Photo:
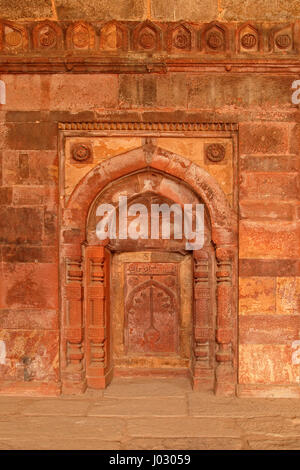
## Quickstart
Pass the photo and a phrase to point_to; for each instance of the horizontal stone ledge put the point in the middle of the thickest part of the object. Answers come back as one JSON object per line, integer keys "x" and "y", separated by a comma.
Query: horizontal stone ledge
{"x": 269, "y": 267}
{"x": 113, "y": 65}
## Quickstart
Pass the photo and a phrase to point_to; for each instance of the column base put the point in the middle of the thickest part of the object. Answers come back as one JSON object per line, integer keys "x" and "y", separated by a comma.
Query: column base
{"x": 100, "y": 383}
{"x": 72, "y": 388}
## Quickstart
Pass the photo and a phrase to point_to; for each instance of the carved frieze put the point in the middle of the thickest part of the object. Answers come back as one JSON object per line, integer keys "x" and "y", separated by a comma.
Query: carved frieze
{"x": 13, "y": 38}
{"x": 80, "y": 36}
{"x": 47, "y": 35}
{"x": 136, "y": 41}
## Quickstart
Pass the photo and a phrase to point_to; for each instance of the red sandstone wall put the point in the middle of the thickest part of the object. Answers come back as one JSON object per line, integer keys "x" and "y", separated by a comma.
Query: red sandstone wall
{"x": 269, "y": 147}
{"x": 269, "y": 211}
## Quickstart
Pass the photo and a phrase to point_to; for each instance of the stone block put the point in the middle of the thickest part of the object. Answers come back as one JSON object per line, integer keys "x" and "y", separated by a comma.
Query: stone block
{"x": 174, "y": 10}
{"x": 24, "y": 9}
{"x": 269, "y": 267}
{"x": 5, "y": 196}
{"x": 269, "y": 163}
{"x": 31, "y": 136}
{"x": 268, "y": 210}
{"x": 288, "y": 295}
{"x": 285, "y": 10}
{"x": 275, "y": 186}
{"x": 29, "y": 285}
{"x": 30, "y": 355}
{"x": 21, "y": 225}
{"x": 267, "y": 363}
{"x": 92, "y": 91}
{"x": 268, "y": 329}
{"x": 256, "y": 295}
{"x": 269, "y": 240}
{"x": 28, "y": 168}
{"x": 101, "y": 9}
{"x": 268, "y": 138}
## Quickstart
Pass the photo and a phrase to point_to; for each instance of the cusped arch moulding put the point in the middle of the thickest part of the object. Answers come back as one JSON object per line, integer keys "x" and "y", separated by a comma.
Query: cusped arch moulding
{"x": 248, "y": 39}
{"x": 47, "y": 35}
{"x": 214, "y": 38}
{"x": 281, "y": 39}
{"x": 147, "y": 37}
{"x": 13, "y": 38}
{"x": 80, "y": 36}
{"x": 180, "y": 38}
{"x": 113, "y": 37}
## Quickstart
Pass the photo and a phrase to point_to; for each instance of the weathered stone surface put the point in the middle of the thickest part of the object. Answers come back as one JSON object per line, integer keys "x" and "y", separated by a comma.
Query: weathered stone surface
{"x": 31, "y": 356}
{"x": 288, "y": 295}
{"x": 283, "y": 10}
{"x": 95, "y": 9}
{"x": 28, "y": 168}
{"x": 30, "y": 285}
{"x": 257, "y": 210}
{"x": 26, "y": 9}
{"x": 269, "y": 163}
{"x": 142, "y": 387}
{"x": 29, "y": 254}
{"x": 267, "y": 363}
{"x": 269, "y": 240}
{"x": 194, "y": 427}
{"x": 274, "y": 444}
{"x": 94, "y": 92}
{"x": 238, "y": 91}
{"x": 276, "y": 186}
{"x": 171, "y": 406}
{"x": 25, "y": 92}
{"x": 199, "y": 10}
{"x": 104, "y": 428}
{"x": 55, "y": 407}
{"x": 32, "y": 319}
{"x": 16, "y": 225}
{"x": 185, "y": 444}
{"x": 263, "y": 138}
{"x": 256, "y": 295}
{"x": 213, "y": 422}
{"x": 5, "y": 196}
{"x": 268, "y": 329}
{"x": 61, "y": 443}
{"x": 269, "y": 267}
{"x": 31, "y": 136}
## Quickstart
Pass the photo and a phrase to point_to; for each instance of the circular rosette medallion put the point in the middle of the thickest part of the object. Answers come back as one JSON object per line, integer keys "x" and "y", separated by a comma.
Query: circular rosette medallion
{"x": 81, "y": 152}
{"x": 248, "y": 41}
{"x": 215, "y": 40}
{"x": 215, "y": 152}
{"x": 283, "y": 41}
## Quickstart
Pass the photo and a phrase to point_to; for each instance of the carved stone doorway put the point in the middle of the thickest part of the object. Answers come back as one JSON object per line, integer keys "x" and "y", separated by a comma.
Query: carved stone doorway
{"x": 150, "y": 306}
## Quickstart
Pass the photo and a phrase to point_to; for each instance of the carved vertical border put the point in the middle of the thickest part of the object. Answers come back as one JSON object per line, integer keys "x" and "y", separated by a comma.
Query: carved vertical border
{"x": 73, "y": 373}
{"x": 202, "y": 364}
{"x": 225, "y": 329}
{"x": 97, "y": 339}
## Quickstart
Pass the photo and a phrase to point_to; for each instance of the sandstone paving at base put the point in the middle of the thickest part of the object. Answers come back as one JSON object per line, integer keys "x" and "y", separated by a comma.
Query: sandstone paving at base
{"x": 140, "y": 407}
{"x": 147, "y": 413}
{"x": 143, "y": 387}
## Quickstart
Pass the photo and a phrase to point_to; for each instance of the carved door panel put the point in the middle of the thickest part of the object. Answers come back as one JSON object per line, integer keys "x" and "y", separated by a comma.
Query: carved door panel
{"x": 151, "y": 308}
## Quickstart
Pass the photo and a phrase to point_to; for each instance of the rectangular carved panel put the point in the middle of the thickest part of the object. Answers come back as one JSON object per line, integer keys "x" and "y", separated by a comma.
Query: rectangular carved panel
{"x": 151, "y": 308}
